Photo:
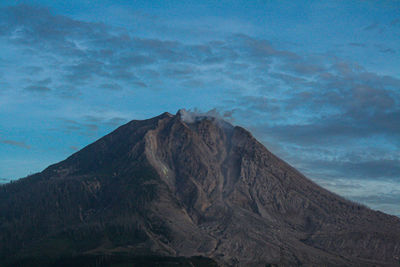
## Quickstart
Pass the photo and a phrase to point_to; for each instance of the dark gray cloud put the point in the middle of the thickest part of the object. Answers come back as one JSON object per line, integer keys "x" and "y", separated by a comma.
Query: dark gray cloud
{"x": 358, "y": 44}
{"x": 84, "y": 70}
{"x": 85, "y": 127}
{"x": 32, "y": 25}
{"x": 32, "y": 70}
{"x": 292, "y": 81}
{"x": 257, "y": 49}
{"x": 37, "y": 88}
{"x": 343, "y": 106}
{"x": 314, "y": 84}
{"x": 139, "y": 84}
{"x": 15, "y": 143}
{"x": 81, "y": 53}
{"x": 387, "y": 50}
{"x": 373, "y": 169}
{"x": 395, "y": 22}
{"x": 182, "y": 70}
{"x": 330, "y": 104}
{"x": 303, "y": 67}
{"x": 371, "y": 27}
{"x": 111, "y": 86}
{"x": 68, "y": 92}
{"x": 89, "y": 125}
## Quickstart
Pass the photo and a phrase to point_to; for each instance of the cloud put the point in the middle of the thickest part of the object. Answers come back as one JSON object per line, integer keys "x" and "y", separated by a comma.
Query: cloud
{"x": 371, "y": 27}
{"x": 111, "y": 86}
{"x": 140, "y": 84}
{"x": 27, "y": 24}
{"x": 37, "y": 88}
{"x": 89, "y": 125}
{"x": 395, "y": 22}
{"x": 328, "y": 97}
{"x": 387, "y": 50}
{"x": 380, "y": 195}
{"x": 86, "y": 127}
{"x": 84, "y": 70}
{"x": 32, "y": 70}
{"x": 303, "y": 67}
{"x": 358, "y": 44}
{"x": 179, "y": 71}
{"x": 116, "y": 121}
{"x": 80, "y": 52}
{"x": 291, "y": 80}
{"x": 15, "y": 143}
{"x": 372, "y": 169}
{"x": 314, "y": 115}
{"x": 132, "y": 60}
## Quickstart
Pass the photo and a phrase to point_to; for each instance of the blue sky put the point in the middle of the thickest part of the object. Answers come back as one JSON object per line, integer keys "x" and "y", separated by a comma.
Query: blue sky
{"x": 318, "y": 82}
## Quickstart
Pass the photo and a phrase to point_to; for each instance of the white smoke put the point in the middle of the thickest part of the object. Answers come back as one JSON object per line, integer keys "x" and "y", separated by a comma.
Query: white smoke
{"x": 188, "y": 116}
{"x": 225, "y": 119}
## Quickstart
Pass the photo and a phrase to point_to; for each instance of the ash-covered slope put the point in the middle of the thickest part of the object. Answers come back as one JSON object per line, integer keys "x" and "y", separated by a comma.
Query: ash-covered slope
{"x": 181, "y": 188}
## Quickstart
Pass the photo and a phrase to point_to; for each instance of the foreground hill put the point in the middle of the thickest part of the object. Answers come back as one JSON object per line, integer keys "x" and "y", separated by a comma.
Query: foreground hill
{"x": 161, "y": 191}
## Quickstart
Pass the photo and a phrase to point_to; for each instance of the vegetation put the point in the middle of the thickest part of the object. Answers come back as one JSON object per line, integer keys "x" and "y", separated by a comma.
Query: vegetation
{"x": 43, "y": 216}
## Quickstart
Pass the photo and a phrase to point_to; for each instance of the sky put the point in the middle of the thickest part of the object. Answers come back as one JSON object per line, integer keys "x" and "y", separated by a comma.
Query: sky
{"x": 317, "y": 82}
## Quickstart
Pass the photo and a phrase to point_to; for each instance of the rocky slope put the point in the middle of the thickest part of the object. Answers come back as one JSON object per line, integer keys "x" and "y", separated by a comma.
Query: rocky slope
{"x": 180, "y": 187}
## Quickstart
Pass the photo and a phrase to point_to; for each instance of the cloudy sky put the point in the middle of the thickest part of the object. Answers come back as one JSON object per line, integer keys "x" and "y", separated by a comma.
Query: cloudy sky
{"x": 318, "y": 82}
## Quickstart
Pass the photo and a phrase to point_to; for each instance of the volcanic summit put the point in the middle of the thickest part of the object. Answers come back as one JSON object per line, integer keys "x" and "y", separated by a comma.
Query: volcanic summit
{"x": 186, "y": 189}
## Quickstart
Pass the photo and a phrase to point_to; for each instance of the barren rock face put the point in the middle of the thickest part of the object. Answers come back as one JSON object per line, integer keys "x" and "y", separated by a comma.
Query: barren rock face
{"x": 170, "y": 186}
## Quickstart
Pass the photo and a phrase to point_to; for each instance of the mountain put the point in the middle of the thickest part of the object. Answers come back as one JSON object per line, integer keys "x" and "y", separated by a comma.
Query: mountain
{"x": 185, "y": 190}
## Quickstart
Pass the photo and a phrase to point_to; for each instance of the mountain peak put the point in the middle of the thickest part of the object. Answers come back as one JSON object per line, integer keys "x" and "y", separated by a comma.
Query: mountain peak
{"x": 165, "y": 114}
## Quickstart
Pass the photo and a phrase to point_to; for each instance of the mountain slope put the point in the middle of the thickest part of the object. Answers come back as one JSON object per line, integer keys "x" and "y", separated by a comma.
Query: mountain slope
{"x": 181, "y": 187}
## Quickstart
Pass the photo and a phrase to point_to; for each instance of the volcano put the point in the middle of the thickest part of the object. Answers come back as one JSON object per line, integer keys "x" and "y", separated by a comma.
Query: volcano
{"x": 185, "y": 190}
